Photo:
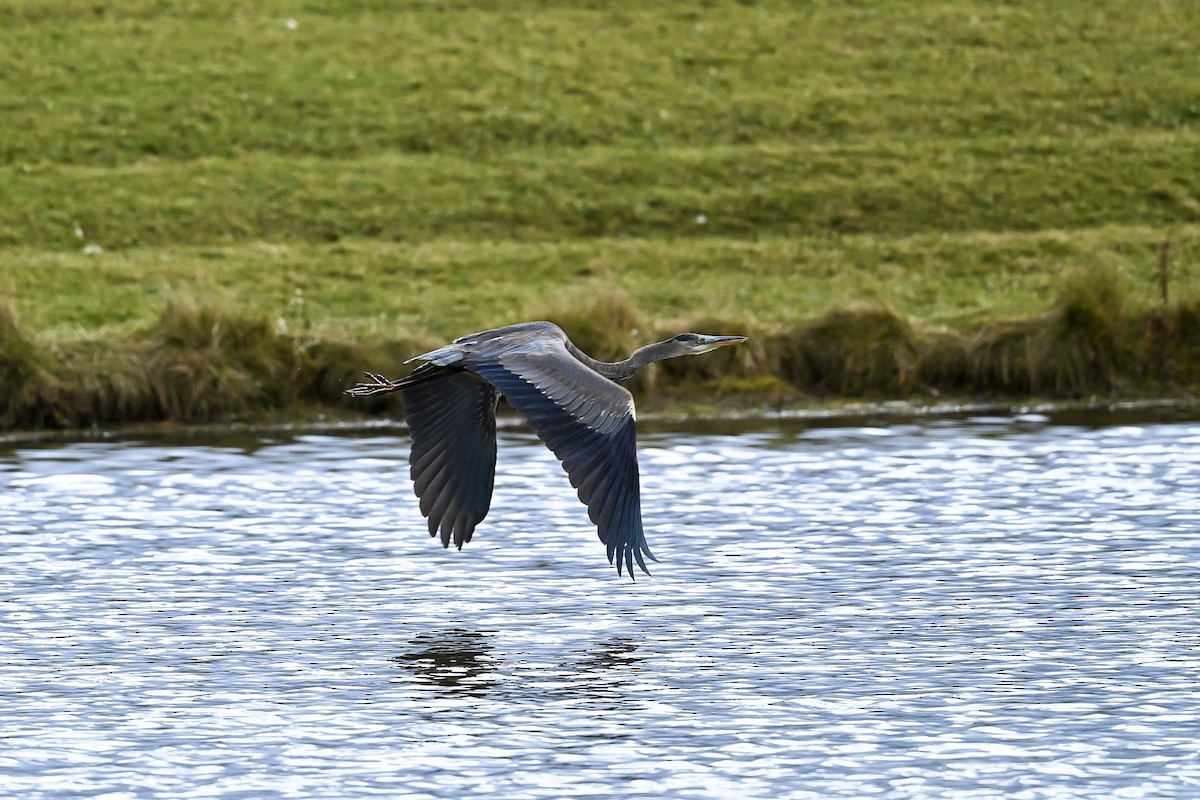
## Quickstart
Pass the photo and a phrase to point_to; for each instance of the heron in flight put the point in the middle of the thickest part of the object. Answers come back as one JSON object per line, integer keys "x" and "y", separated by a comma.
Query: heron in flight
{"x": 574, "y": 403}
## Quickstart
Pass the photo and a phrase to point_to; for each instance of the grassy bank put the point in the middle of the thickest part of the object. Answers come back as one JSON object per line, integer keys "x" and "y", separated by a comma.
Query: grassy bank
{"x": 225, "y": 209}
{"x": 200, "y": 362}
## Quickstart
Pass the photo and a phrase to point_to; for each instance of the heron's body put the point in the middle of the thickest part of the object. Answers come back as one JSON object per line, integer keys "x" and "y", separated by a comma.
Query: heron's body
{"x": 572, "y": 401}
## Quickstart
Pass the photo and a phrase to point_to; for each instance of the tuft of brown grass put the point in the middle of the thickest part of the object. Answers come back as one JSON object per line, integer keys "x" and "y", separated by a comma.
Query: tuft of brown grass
{"x": 1081, "y": 346}
{"x": 998, "y": 357}
{"x": 30, "y": 395}
{"x": 330, "y": 367}
{"x": 17, "y": 355}
{"x": 851, "y": 352}
{"x": 204, "y": 362}
{"x": 101, "y": 381}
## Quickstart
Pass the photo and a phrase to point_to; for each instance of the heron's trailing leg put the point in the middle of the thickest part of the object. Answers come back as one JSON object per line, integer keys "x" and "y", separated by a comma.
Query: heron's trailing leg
{"x": 377, "y": 384}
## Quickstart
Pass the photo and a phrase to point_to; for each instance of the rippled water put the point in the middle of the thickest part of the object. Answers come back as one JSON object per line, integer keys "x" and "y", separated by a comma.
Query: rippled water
{"x": 973, "y": 608}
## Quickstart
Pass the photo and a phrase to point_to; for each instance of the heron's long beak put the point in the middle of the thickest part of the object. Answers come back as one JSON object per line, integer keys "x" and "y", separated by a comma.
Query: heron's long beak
{"x": 707, "y": 343}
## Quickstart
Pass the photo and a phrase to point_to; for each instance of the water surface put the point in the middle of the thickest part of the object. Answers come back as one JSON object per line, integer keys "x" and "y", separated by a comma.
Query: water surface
{"x": 969, "y": 608}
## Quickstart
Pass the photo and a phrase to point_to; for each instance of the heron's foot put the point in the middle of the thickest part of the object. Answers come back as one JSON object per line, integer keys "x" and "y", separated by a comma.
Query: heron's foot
{"x": 375, "y": 384}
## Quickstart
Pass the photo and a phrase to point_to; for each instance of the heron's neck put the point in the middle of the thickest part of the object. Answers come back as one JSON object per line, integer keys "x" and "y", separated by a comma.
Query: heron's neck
{"x": 624, "y": 370}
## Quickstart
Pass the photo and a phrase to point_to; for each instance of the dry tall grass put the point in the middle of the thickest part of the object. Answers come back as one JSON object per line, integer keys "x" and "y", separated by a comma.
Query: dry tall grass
{"x": 204, "y": 361}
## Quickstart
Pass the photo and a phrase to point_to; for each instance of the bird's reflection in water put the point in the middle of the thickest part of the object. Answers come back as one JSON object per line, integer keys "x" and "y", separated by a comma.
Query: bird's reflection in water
{"x": 457, "y": 659}
{"x": 589, "y": 679}
{"x": 614, "y": 656}
{"x": 462, "y": 661}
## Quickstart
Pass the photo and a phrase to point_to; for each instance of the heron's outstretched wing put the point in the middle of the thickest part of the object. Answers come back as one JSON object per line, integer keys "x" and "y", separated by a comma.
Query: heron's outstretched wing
{"x": 588, "y": 421}
{"x": 452, "y": 418}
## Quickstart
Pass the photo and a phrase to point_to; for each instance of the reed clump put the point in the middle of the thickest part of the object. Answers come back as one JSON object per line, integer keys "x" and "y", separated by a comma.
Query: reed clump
{"x": 994, "y": 358}
{"x": 853, "y": 352}
{"x": 328, "y": 367}
{"x": 98, "y": 381}
{"x": 17, "y": 359}
{"x": 1082, "y": 346}
{"x": 1172, "y": 336}
{"x": 204, "y": 362}
{"x": 27, "y": 397}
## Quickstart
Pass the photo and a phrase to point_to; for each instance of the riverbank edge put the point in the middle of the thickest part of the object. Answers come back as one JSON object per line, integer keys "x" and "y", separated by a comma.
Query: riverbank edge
{"x": 203, "y": 361}
{"x": 842, "y": 413}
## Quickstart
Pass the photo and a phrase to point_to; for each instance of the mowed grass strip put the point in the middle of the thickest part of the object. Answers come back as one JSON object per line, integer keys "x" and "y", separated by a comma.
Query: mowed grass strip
{"x": 368, "y": 289}
{"x": 113, "y": 83}
{"x": 894, "y": 188}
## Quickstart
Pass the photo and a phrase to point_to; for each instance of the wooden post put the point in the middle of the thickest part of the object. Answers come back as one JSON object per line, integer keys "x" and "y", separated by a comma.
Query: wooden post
{"x": 1164, "y": 269}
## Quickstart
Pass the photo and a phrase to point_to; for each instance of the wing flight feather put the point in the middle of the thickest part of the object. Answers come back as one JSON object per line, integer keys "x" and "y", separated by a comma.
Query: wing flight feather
{"x": 594, "y": 438}
{"x": 584, "y": 418}
{"x": 452, "y": 418}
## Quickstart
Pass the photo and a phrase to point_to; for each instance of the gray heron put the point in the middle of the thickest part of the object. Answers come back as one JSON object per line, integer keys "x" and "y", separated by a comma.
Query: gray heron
{"x": 574, "y": 403}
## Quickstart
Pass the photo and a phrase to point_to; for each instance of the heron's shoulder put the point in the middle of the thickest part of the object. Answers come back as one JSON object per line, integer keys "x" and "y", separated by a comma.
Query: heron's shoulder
{"x": 527, "y": 337}
{"x": 521, "y": 332}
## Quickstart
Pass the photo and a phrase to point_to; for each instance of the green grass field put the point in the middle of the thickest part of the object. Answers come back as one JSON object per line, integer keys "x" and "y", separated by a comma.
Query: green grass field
{"x": 356, "y": 176}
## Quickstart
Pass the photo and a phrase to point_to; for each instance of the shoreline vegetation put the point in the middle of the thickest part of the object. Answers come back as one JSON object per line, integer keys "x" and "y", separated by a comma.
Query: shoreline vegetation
{"x": 216, "y": 213}
{"x": 205, "y": 362}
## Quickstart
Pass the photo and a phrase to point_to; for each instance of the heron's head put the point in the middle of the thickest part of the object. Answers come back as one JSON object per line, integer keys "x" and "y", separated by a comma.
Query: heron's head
{"x": 691, "y": 344}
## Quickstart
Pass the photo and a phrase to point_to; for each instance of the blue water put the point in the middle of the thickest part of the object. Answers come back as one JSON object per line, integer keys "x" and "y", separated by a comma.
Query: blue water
{"x": 971, "y": 608}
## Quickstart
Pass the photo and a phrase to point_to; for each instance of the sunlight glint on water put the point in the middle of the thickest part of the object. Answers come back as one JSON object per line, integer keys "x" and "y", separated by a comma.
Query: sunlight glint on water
{"x": 971, "y": 608}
